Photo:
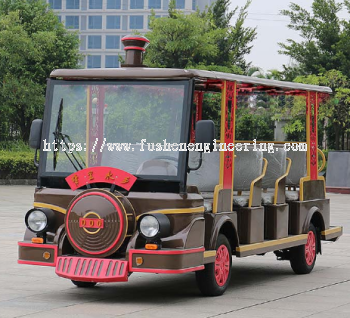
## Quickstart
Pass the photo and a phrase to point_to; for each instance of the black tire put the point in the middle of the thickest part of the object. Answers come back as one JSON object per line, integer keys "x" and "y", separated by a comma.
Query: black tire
{"x": 298, "y": 255}
{"x": 206, "y": 279}
{"x": 84, "y": 284}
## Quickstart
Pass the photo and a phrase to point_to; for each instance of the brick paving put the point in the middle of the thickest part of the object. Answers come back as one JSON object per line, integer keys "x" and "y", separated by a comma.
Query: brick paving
{"x": 260, "y": 287}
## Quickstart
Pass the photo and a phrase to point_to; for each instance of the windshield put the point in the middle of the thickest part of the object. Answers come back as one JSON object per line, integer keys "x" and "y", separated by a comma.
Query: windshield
{"x": 115, "y": 124}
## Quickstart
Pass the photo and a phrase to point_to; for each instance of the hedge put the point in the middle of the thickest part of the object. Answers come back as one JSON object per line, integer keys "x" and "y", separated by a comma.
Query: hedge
{"x": 17, "y": 165}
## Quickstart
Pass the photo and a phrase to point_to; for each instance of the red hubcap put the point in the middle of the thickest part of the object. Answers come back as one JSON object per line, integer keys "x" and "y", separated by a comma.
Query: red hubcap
{"x": 310, "y": 248}
{"x": 222, "y": 265}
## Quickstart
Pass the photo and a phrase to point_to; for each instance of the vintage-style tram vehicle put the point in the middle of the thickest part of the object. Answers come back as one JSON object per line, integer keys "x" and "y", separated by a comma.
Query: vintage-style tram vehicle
{"x": 107, "y": 204}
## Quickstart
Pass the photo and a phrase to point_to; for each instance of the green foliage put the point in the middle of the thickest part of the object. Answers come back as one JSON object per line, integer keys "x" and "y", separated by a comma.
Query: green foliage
{"x": 212, "y": 110}
{"x": 32, "y": 44}
{"x": 337, "y": 107}
{"x": 17, "y": 165}
{"x": 128, "y": 122}
{"x": 180, "y": 40}
{"x": 254, "y": 124}
{"x": 17, "y": 145}
{"x": 218, "y": 68}
{"x": 323, "y": 58}
{"x": 325, "y": 37}
{"x": 200, "y": 39}
{"x": 237, "y": 40}
{"x": 258, "y": 72}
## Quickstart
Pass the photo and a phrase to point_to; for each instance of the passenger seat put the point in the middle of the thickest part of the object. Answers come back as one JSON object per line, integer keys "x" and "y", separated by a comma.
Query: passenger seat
{"x": 275, "y": 178}
{"x": 298, "y": 170}
{"x": 249, "y": 169}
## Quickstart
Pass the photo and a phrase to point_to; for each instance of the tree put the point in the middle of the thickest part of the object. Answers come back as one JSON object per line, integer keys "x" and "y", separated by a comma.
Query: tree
{"x": 32, "y": 44}
{"x": 323, "y": 57}
{"x": 334, "y": 112}
{"x": 238, "y": 39}
{"x": 273, "y": 74}
{"x": 203, "y": 39}
{"x": 179, "y": 40}
{"x": 325, "y": 37}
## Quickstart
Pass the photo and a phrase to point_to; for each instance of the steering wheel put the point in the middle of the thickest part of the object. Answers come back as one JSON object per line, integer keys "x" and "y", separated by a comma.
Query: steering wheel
{"x": 160, "y": 160}
{"x": 166, "y": 158}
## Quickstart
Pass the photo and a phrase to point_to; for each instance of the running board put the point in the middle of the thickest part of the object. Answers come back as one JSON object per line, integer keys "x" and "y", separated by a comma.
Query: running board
{"x": 270, "y": 245}
{"x": 332, "y": 234}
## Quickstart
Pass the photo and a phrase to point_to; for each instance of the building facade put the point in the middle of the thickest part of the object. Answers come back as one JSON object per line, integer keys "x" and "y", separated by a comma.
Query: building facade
{"x": 102, "y": 23}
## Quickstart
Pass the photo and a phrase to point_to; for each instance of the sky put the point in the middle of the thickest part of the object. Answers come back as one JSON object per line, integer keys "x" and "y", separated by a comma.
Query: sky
{"x": 271, "y": 28}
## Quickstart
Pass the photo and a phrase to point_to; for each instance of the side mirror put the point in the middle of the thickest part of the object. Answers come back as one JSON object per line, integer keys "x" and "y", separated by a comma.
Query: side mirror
{"x": 35, "y": 134}
{"x": 205, "y": 133}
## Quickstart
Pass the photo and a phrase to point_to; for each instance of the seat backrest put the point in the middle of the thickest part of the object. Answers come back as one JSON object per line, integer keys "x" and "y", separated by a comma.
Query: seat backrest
{"x": 207, "y": 176}
{"x": 298, "y": 169}
{"x": 248, "y": 167}
{"x": 276, "y": 167}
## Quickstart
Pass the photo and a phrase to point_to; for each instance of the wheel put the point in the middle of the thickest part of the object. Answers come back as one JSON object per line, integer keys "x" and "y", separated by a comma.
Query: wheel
{"x": 84, "y": 284}
{"x": 303, "y": 258}
{"x": 215, "y": 278}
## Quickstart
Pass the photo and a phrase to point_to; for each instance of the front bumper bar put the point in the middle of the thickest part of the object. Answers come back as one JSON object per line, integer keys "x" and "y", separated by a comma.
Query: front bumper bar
{"x": 92, "y": 269}
{"x": 86, "y": 269}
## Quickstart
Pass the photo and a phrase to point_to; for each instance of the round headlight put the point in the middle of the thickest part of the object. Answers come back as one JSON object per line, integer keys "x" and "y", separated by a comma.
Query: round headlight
{"x": 37, "y": 221}
{"x": 149, "y": 226}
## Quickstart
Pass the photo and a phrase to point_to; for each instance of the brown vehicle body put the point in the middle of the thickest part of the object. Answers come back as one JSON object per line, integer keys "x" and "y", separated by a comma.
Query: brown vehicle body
{"x": 111, "y": 247}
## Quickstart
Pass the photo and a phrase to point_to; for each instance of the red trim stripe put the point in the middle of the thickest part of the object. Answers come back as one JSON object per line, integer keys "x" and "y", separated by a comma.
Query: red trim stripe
{"x": 36, "y": 263}
{"x": 168, "y": 252}
{"x": 134, "y": 48}
{"x": 135, "y": 38}
{"x": 168, "y": 271}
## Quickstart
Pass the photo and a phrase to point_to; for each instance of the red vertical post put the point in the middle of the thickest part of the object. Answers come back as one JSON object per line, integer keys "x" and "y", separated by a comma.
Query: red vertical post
{"x": 198, "y": 101}
{"x": 230, "y": 110}
{"x": 312, "y": 103}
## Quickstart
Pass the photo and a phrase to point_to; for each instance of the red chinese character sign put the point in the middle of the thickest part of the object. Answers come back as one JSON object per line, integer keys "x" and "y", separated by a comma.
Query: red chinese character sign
{"x": 109, "y": 175}
{"x": 198, "y": 101}
{"x": 230, "y": 109}
{"x": 312, "y": 104}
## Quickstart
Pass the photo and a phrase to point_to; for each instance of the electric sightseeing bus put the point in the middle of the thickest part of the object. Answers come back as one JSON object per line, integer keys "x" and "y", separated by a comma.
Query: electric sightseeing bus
{"x": 109, "y": 203}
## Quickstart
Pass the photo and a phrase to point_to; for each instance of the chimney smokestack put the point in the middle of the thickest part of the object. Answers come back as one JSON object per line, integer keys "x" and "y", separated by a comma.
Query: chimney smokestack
{"x": 134, "y": 46}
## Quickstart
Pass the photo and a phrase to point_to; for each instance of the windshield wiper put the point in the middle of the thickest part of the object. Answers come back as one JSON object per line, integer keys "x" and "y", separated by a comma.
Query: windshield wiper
{"x": 59, "y": 137}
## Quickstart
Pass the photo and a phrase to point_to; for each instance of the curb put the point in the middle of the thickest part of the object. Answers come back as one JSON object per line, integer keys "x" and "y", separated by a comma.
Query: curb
{"x": 18, "y": 181}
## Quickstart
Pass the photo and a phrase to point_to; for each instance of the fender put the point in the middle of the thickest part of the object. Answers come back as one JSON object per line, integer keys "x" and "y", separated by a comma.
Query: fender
{"x": 221, "y": 219}
{"x": 319, "y": 222}
{"x": 309, "y": 217}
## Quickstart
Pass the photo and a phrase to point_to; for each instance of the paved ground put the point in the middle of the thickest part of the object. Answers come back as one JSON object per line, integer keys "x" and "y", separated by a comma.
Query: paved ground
{"x": 260, "y": 286}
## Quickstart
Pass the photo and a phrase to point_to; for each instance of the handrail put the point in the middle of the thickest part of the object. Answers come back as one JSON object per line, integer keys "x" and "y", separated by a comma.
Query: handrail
{"x": 280, "y": 178}
{"x": 255, "y": 181}
{"x": 323, "y": 159}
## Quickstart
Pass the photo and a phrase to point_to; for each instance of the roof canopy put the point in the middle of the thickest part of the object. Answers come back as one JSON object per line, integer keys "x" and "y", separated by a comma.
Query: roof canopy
{"x": 246, "y": 83}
